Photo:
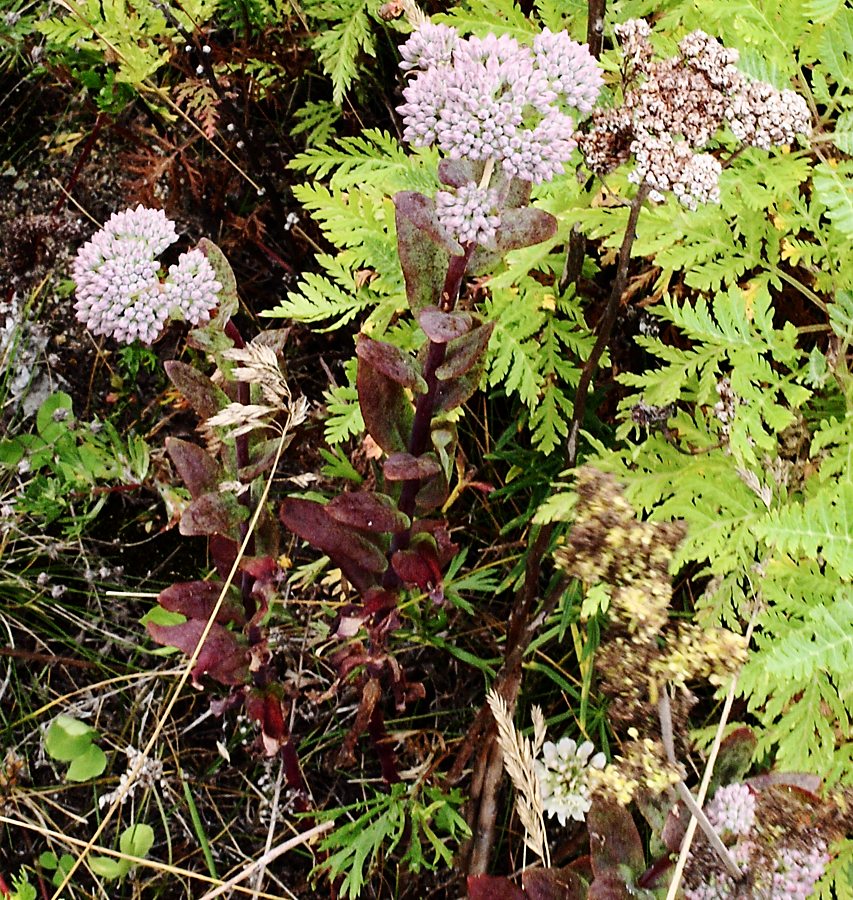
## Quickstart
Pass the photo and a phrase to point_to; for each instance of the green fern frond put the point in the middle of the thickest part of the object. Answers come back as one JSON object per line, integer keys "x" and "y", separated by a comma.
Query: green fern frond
{"x": 372, "y": 158}
{"x": 559, "y": 15}
{"x": 832, "y": 444}
{"x": 319, "y": 299}
{"x": 316, "y": 121}
{"x": 497, "y": 16}
{"x": 823, "y": 643}
{"x": 513, "y": 350}
{"x": 834, "y": 187}
{"x": 822, "y": 527}
{"x": 343, "y": 414}
{"x": 344, "y": 36}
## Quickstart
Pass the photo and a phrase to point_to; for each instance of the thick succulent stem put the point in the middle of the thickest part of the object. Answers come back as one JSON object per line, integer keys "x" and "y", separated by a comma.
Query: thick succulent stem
{"x": 427, "y": 402}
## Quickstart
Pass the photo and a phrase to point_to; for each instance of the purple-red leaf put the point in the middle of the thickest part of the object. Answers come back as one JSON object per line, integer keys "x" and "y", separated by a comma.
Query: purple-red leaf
{"x": 432, "y": 493}
{"x": 672, "y": 833}
{"x": 525, "y": 227}
{"x": 199, "y": 471}
{"x": 441, "y": 327}
{"x": 609, "y": 887}
{"x": 267, "y": 534}
{"x": 420, "y": 566}
{"x": 735, "y": 756}
{"x": 456, "y": 391}
{"x": 212, "y": 513}
{"x": 465, "y": 352}
{"x": 801, "y": 781}
{"x": 197, "y": 389}
{"x": 522, "y": 228}
{"x": 424, "y": 249}
{"x": 553, "y": 884}
{"x": 392, "y": 362}
{"x": 367, "y": 510}
{"x": 223, "y": 552}
{"x": 196, "y": 600}
{"x": 263, "y": 456}
{"x": 438, "y": 531}
{"x": 459, "y": 172}
{"x": 493, "y": 887}
{"x": 614, "y": 842}
{"x": 357, "y": 557}
{"x": 405, "y": 467}
{"x": 518, "y": 193}
{"x": 224, "y": 655}
{"x": 266, "y": 708}
{"x": 385, "y": 408}
{"x": 419, "y": 210}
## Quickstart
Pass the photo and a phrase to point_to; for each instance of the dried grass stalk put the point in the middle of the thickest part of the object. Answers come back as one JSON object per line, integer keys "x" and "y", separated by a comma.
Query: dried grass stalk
{"x": 518, "y": 755}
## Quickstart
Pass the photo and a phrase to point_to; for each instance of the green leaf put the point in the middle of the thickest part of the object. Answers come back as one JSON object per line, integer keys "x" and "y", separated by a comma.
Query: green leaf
{"x": 87, "y": 765}
{"x": 68, "y": 738}
{"x": 108, "y": 868}
{"x": 137, "y": 840}
{"x": 48, "y": 860}
{"x": 54, "y": 416}
{"x": 338, "y": 47}
{"x": 834, "y": 187}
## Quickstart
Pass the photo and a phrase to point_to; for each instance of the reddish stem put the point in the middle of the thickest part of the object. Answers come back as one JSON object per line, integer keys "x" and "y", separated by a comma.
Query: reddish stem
{"x": 425, "y": 408}
{"x": 384, "y": 750}
{"x": 84, "y": 155}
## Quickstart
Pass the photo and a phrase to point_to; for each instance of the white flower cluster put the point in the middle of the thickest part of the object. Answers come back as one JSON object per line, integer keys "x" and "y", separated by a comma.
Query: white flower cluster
{"x": 797, "y": 871}
{"x": 788, "y": 872}
{"x": 563, "y": 774}
{"x": 674, "y": 108}
{"x": 668, "y": 165}
{"x": 470, "y": 214}
{"x": 119, "y": 291}
{"x": 764, "y": 117}
{"x": 190, "y": 288}
{"x": 150, "y": 775}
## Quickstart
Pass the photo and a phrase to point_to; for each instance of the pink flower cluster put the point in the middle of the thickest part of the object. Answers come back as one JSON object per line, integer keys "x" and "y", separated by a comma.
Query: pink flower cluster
{"x": 775, "y": 866}
{"x": 119, "y": 288}
{"x": 493, "y": 98}
{"x": 495, "y": 101}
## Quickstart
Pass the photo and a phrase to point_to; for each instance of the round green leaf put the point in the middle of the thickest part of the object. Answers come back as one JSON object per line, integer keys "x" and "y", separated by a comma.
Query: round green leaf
{"x": 87, "y": 765}
{"x": 106, "y": 867}
{"x": 68, "y": 738}
{"x": 137, "y": 840}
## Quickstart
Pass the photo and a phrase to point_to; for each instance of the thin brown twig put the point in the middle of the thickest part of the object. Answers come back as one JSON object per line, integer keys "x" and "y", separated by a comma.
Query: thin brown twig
{"x": 488, "y": 769}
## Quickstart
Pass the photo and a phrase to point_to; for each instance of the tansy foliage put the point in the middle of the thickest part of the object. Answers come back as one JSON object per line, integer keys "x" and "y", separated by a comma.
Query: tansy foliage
{"x": 537, "y": 337}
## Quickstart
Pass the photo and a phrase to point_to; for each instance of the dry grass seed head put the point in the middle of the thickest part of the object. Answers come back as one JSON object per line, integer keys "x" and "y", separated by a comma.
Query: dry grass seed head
{"x": 518, "y": 755}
